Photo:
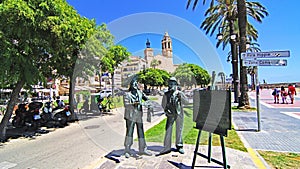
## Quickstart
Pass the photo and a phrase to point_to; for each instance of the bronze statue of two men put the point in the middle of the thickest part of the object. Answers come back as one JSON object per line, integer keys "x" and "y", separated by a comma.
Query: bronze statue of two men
{"x": 172, "y": 104}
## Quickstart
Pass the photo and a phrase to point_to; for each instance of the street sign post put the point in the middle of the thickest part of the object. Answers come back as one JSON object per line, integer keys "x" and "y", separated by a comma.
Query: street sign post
{"x": 259, "y": 59}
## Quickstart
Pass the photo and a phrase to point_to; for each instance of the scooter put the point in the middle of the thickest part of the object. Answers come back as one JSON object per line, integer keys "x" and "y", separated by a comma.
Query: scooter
{"x": 46, "y": 116}
{"x": 61, "y": 116}
{"x": 28, "y": 115}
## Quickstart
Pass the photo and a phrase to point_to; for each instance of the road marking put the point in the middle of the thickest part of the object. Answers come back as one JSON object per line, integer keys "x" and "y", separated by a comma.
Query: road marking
{"x": 256, "y": 159}
{"x": 292, "y": 114}
{"x": 7, "y": 165}
{"x": 254, "y": 156}
{"x": 266, "y": 104}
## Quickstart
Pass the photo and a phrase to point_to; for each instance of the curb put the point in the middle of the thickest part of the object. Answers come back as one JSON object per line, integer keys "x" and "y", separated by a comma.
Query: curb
{"x": 256, "y": 158}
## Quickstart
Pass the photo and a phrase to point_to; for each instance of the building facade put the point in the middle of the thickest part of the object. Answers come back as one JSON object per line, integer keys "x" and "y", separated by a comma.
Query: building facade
{"x": 164, "y": 60}
{"x": 135, "y": 64}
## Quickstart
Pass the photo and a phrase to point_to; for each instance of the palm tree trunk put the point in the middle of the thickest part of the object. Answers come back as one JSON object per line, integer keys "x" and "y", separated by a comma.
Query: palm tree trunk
{"x": 252, "y": 81}
{"x": 242, "y": 22}
{"x": 11, "y": 104}
{"x": 234, "y": 62}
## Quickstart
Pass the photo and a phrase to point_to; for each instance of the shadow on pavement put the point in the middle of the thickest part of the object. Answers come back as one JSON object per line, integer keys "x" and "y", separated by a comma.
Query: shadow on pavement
{"x": 115, "y": 155}
{"x": 179, "y": 165}
{"x": 253, "y": 130}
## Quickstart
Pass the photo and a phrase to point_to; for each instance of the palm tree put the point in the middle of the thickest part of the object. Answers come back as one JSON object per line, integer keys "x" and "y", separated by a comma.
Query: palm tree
{"x": 222, "y": 76}
{"x": 224, "y": 15}
{"x": 155, "y": 63}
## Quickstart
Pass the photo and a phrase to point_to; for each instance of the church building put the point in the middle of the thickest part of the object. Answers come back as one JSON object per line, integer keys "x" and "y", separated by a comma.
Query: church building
{"x": 164, "y": 60}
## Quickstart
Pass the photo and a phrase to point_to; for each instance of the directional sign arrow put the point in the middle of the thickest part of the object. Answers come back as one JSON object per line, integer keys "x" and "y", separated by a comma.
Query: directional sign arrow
{"x": 271, "y": 54}
{"x": 250, "y": 62}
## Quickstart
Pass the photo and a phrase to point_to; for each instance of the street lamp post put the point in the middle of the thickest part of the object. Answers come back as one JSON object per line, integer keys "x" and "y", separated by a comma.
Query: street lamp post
{"x": 234, "y": 58}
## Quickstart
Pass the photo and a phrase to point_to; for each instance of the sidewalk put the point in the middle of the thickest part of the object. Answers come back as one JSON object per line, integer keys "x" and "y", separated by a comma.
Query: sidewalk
{"x": 280, "y": 125}
{"x": 115, "y": 159}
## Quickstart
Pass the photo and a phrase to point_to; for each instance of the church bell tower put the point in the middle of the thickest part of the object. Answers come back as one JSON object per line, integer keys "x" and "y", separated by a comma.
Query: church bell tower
{"x": 166, "y": 46}
{"x": 148, "y": 52}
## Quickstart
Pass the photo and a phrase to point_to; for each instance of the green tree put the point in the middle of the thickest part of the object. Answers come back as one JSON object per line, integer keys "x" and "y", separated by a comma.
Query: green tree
{"x": 165, "y": 76}
{"x": 201, "y": 75}
{"x": 93, "y": 50}
{"x": 224, "y": 15}
{"x": 33, "y": 33}
{"x": 191, "y": 74}
{"x": 153, "y": 77}
{"x": 74, "y": 31}
{"x": 184, "y": 75}
{"x": 112, "y": 59}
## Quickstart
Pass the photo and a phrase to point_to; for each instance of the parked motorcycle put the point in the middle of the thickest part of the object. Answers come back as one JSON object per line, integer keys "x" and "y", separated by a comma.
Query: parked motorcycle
{"x": 61, "y": 116}
{"x": 28, "y": 115}
{"x": 56, "y": 117}
{"x": 46, "y": 116}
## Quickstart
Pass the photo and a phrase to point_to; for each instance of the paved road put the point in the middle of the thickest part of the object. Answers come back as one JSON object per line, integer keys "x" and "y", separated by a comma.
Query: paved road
{"x": 85, "y": 144}
{"x": 78, "y": 145}
{"x": 64, "y": 148}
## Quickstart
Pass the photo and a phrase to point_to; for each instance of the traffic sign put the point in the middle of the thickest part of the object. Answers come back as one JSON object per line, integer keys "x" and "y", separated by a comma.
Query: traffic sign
{"x": 271, "y": 54}
{"x": 265, "y": 62}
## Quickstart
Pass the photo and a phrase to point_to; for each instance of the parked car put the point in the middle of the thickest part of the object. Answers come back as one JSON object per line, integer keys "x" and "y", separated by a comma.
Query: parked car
{"x": 105, "y": 93}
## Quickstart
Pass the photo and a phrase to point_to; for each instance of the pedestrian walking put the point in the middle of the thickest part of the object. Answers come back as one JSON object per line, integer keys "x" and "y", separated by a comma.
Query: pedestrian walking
{"x": 283, "y": 94}
{"x": 172, "y": 104}
{"x": 275, "y": 94}
{"x": 292, "y": 92}
{"x": 133, "y": 116}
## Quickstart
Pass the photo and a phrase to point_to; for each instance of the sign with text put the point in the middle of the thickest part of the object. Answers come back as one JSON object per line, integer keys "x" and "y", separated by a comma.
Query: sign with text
{"x": 271, "y": 54}
{"x": 265, "y": 62}
{"x": 212, "y": 111}
{"x": 250, "y": 62}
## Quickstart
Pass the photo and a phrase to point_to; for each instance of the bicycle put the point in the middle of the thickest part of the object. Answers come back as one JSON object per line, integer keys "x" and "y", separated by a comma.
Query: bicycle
{"x": 110, "y": 103}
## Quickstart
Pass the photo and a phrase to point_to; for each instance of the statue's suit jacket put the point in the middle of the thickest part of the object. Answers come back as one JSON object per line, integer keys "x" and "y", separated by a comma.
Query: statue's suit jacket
{"x": 134, "y": 111}
{"x": 176, "y": 106}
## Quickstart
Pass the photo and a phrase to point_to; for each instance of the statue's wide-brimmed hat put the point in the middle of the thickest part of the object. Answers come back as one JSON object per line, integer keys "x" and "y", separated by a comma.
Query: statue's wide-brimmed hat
{"x": 173, "y": 79}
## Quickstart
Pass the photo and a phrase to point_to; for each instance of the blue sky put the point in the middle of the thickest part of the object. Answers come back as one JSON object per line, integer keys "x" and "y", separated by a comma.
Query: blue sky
{"x": 133, "y": 21}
